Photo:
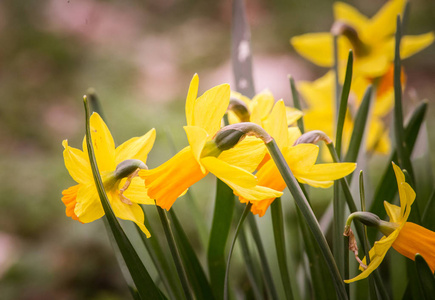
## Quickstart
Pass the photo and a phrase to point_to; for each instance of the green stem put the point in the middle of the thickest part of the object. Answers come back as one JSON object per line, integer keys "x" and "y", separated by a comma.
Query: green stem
{"x": 263, "y": 259}
{"x": 238, "y": 228}
{"x": 254, "y": 278}
{"x": 279, "y": 235}
{"x": 296, "y": 103}
{"x": 308, "y": 214}
{"x": 175, "y": 253}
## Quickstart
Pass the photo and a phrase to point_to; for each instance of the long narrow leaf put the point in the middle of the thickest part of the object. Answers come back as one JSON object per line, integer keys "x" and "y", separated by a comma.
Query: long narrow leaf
{"x": 296, "y": 103}
{"x": 220, "y": 228}
{"x": 359, "y": 127}
{"x": 252, "y": 273}
{"x": 403, "y": 154}
{"x": 143, "y": 281}
{"x": 194, "y": 270}
{"x": 238, "y": 228}
{"x": 279, "y": 235}
{"x": 343, "y": 103}
{"x": 175, "y": 253}
{"x": 263, "y": 259}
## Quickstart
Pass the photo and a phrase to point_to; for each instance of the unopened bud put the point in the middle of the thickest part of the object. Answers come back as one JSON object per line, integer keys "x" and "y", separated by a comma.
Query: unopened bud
{"x": 312, "y": 137}
{"x": 231, "y": 135}
{"x": 240, "y": 109}
{"x": 367, "y": 218}
{"x": 127, "y": 167}
{"x": 341, "y": 28}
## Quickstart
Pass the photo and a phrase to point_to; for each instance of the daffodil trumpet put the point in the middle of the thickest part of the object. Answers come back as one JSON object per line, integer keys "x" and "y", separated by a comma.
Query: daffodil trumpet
{"x": 405, "y": 237}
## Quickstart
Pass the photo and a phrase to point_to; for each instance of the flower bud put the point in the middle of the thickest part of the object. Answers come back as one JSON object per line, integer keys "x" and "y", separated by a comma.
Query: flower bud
{"x": 240, "y": 109}
{"x": 342, "y": 28}
{"x": 127, "y": 167}
{"x": 231, "y": 135}
{"x": 312, "y": 137}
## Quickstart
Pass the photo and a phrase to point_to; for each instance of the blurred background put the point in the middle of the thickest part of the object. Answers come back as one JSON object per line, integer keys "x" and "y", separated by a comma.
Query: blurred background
{"x": 139, "y": 56}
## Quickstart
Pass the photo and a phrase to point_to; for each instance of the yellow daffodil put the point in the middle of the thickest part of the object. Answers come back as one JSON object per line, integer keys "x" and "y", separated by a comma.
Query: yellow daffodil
{"x": 321, "y": 111}
{"x": 259, "y": 108}
{"x": 118, "y": 168}
{"x": 300, "y": 158}
{"x": 372, "y": 40}
{"x": 204, "y": 114}
{"x": 405, "y": 237}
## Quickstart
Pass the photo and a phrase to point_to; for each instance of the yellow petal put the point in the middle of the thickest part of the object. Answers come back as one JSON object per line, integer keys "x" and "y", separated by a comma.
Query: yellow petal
{"x": 377, "y": 254}
{"x": 293, "y": 133}
{"x": 191, "y": 98}
{"x": 276, "y": 124}
{"x": 415, "y": 43}
{"x": 130, "y": 212}
{"x": 168, "y": 181}
{"x": 137, "y": 191}
{"x": 374, "y": 65}
{"x": 383, "y": 24}
{"x": 292, "y": 114}
{"x": 77, "y": 163}
{"x": 333, "y": 171}
{"x": 209, "y": 109}
{"x": 351, "y": 16}
{"x": 136, "y": 148}
{"x": 243, "y": 183}
{"x": 103, "y": 144}
{"x": 300, "y": 157}
{"x": 197, "y": 138}
{"x": 261, "y": 105}
{"x": 88, "y": 204}
{"x": 393, "y": 211}
{"x": 319, "y": 93}
{"x": 247, "y": 154}
{"x": 316, "y": 47}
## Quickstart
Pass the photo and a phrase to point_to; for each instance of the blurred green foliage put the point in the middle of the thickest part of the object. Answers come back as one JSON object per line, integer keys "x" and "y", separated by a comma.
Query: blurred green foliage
{"x": 139, "y": 56}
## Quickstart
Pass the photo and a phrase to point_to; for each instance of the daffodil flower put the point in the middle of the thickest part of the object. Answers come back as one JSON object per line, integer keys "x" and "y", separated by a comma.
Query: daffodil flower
{"x": 372, "y": 40}
{"x": 234, "y": 167}
{"x": 321, "y": 111}
{"x": 407, "y": 238}
{"x": 118, "y": 168}
{"x": 300, "y": 158}
{"x": 259, "y": 108}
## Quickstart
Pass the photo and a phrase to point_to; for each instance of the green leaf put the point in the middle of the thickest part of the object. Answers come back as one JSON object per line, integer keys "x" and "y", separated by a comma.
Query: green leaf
{"x": 359, "y": 127}
{"x": 175, "y": 253}
{"x": 252, "y": 269}
{"x": 141, "y": 278}
{"x": 427, "y": 219}
{"x": 238, "y": 228}
{"x": 297, "y": 103}
{"x": 160, "y": 261}
{"x": 220, "y": 228}
{"x": 343, "y": 103}
{"x": 197, "y": 278}
{"x": 270, "y": 286}
{"x": 279, "y": 235}
{"x": 403, "y": 154}
{"x": 425, "y": 277}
